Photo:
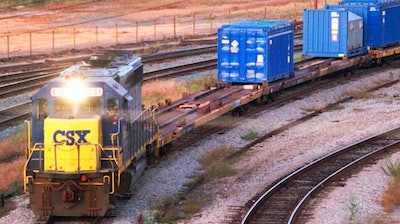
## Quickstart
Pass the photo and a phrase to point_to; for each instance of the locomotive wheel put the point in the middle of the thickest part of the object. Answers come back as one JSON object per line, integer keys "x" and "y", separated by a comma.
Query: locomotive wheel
{"x": 151, "y": 159}
{"x": 124, "y": 187}
{"x": 150, "y": 155}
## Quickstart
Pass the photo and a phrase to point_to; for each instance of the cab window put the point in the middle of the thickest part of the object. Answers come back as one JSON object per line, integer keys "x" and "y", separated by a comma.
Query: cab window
{"x": 41, "y": 108}
{"x": 112, "y": 110}
{"x": 66, "y": 108}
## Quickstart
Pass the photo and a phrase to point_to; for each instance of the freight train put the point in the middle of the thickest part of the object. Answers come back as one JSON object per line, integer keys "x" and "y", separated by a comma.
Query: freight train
{"x": 89, "y": 136}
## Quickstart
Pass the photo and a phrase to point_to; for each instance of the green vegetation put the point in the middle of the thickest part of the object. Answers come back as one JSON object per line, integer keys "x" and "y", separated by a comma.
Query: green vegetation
{"x": 12, "y": 160}
{"x": 220, "y": 170}
{"x": 155, "y": 92}
{"x": 215, "y": 166}
{"x": 391, "y": 197}
{"x": 392, "y": 169}
{"x": 250, "y": 136}
{"x": 334, "y": 107}
{"x": 359, "y": 94}
{"x": 353, "y": 207}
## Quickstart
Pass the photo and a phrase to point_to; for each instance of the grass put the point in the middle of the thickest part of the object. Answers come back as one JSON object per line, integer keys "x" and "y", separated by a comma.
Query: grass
{"x": 12, "y": 148}
{"x": 215, "y": 166}
{"x": 155, "y": 92}
{"x": 353, "y": 207}
{"x": 250, "y": 136}
{"x": 12, "y": 160}
{"x": 359, "y": 94}
{"x": 391, "y": 197}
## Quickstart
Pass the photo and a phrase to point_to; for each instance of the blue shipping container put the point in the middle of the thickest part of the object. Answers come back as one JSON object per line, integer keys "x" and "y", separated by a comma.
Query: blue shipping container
{"x": 255, "y": 51}
{"x": 381, "y": 22}
{"x": 370, "y": 1}
{"x": 332, "y": 33}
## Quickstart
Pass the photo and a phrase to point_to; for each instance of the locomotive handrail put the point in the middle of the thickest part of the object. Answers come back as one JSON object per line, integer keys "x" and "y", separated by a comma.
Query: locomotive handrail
{"x": 28, "y": 148}
{"x": 113, "y": 158}
{"x": 114, "y": 136}
{"x": 109, "y": 181}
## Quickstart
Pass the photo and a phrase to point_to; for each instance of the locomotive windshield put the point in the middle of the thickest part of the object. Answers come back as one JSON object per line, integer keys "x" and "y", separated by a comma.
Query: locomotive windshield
{"x": 68, "y": 109}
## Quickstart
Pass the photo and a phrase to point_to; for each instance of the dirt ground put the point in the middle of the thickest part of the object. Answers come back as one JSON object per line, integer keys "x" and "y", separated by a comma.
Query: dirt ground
{"x": 81, "y": 24}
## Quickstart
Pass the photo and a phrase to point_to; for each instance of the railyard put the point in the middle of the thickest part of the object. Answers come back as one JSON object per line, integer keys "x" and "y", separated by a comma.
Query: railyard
{"x": 209, "y": 105}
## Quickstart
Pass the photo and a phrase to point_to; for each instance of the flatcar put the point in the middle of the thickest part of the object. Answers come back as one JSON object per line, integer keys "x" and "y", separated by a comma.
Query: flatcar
{"x": 87, "y": 135}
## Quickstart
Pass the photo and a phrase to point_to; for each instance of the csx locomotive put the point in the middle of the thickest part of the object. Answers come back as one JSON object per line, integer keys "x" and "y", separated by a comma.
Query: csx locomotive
{"x": 88, "y": 137}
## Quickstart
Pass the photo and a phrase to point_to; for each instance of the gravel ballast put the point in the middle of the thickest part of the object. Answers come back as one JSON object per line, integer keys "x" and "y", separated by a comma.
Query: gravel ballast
{"x": 274, "y": 158}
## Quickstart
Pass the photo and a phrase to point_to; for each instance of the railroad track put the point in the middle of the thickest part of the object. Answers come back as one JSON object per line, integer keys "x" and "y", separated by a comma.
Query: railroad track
{"x": 185, "y": 69}
{"x": 245, "y": 214}
{"x": 223, "y": 123}
{"x": 62, "y": 220}
{"x": 14, "y": 113}
{"x": 283, "y": 202}
{"x": 37, "y": 78}
{"x": 13, "y": 82}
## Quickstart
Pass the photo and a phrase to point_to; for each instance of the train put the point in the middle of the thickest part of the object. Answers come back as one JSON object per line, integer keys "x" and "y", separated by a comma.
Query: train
{"x": 89, "y": 136}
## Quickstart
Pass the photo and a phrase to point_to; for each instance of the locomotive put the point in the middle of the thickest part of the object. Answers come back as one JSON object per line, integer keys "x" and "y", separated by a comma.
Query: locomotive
{"x": 88, "y": 137}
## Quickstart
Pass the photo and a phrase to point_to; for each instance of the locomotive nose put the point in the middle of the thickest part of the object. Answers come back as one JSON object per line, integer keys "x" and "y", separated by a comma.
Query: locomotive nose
{"x": 72, "y": 145}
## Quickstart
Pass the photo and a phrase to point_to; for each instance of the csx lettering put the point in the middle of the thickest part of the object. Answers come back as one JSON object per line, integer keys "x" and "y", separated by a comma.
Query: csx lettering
{"x": 68, "y": 136}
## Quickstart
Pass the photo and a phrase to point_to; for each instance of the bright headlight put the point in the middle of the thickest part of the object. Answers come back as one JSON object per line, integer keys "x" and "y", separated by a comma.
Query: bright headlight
{"x": 76, "y": 90}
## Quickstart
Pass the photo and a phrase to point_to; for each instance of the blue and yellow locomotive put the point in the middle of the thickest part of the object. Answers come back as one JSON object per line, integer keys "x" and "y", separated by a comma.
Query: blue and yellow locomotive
{"x": 88, "y": 137}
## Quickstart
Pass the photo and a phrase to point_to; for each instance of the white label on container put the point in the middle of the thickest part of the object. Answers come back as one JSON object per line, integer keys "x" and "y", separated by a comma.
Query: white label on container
{"x": 225, "y": 41}
{"x": 334, "y": 14}
{"x": 235, "y": 43}
{"x": 334, "y": 25}
{"x": 260, "y": 59}
{"x": 372, "y": 9}
{"x": 234, "y": 48}
{"x": 334, "y": 37}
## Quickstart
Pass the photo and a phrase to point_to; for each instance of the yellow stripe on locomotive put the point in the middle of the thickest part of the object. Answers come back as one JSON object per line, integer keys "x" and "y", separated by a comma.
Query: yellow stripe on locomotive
{"x": 72, "y": 145}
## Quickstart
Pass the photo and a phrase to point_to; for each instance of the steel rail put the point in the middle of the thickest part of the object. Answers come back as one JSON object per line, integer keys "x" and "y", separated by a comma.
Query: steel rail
{"x": 180, "y": 69}
{"x": 179, "y": 53}
{"x": 356, "y": 153}
{"x": 298, "y": 209}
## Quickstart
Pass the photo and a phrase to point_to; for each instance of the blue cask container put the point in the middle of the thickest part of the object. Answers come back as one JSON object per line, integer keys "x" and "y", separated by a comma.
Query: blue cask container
{"x": 381, "y": 20}
{"x": 332, "y": 33}
{"x": 255, "y": 52}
